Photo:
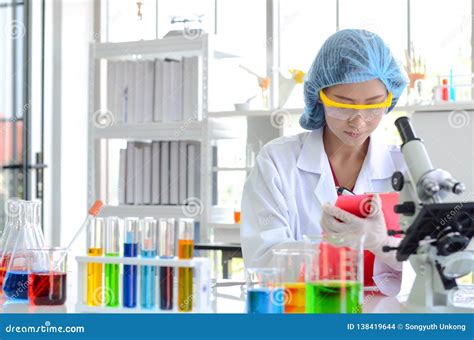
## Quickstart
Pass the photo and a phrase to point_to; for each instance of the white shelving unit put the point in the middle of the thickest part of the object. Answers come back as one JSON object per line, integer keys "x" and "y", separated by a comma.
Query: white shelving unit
{"x": 205, "y": 131}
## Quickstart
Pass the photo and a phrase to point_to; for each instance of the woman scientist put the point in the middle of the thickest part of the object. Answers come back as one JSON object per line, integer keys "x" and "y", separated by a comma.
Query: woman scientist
{"x": 291, "y": 191}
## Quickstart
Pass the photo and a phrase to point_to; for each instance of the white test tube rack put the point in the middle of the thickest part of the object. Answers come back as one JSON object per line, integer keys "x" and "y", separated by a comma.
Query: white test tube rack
{"x": 201, "y": 283}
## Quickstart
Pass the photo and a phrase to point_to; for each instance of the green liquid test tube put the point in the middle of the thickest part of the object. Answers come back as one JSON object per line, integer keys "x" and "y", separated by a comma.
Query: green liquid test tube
{"x": 112, "y": 271}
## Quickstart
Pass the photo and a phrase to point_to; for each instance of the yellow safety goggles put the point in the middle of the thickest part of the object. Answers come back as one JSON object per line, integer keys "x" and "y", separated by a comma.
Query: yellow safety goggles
{"x": 343, "y": 111}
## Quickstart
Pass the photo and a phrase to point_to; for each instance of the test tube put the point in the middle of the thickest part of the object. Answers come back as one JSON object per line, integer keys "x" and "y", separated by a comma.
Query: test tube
{"x": 130, "y": 249}
{"x": 185, "y": 274}
{"x": 112, "y": 271}
{"x": 95, "y": 247}
{"x": 166, "y": 251}
{"x": 148, "y": 273}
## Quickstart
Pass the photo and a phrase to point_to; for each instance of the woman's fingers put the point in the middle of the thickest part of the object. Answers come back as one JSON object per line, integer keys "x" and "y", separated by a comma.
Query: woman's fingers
{"x": 330, "y": 224}
{"x": 338, "y": 213}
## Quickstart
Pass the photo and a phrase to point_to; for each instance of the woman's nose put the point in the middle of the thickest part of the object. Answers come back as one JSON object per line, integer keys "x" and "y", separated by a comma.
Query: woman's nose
{"x": 357, "y": 122}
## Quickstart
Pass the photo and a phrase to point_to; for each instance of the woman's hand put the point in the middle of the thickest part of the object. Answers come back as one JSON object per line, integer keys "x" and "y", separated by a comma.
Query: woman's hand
{"x": 348, "y": 229}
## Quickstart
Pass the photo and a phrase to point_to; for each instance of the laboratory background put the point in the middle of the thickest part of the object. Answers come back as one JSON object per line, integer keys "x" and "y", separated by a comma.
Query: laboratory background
{"x": 128, "y": 129}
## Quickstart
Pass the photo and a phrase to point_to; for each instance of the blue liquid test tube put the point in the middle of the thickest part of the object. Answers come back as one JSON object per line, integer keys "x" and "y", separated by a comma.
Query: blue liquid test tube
{"x": 167, "y": 232}
{"x": 148, "y": 273}
{"x": 130, "y": 249}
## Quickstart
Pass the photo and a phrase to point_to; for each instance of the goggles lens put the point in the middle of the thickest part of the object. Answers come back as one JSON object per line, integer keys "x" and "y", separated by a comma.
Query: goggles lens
{"x": 348, "y": 114}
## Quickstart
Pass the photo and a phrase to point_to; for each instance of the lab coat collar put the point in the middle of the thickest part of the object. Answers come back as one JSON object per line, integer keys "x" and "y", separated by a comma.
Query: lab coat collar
{"x": 312, "y": 154}
{"x": 378, "y": 161}
{"x": 377, "y": 164}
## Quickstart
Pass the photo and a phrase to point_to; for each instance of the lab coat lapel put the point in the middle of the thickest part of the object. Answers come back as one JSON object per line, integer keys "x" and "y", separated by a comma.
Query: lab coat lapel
{"x": 325, "y": 190}
{"x": 313, "y": 159}
{"x": 378, "y": 164}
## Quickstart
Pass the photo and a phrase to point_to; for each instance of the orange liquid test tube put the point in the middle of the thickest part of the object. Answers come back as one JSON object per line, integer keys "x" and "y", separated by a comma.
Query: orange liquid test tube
{"x": 95, "y": 247}
{"x": 185, "y": 275}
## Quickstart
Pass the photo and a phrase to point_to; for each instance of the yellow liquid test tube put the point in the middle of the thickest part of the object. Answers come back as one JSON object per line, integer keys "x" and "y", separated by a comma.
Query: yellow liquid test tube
{"x": 185, "y": 275}
{"x": 95, "y": 233}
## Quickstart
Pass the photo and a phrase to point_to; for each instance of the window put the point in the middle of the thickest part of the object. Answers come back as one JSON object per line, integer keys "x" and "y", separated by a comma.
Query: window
{"x": 442, "y": 39}
{"x": 304, "y": 26}
{"x": 124, "y": 24}
{"x": 373, "y": 15}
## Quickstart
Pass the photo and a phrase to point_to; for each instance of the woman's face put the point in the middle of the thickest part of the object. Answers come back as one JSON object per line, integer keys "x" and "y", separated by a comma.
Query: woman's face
{"x": 355, "y": 131}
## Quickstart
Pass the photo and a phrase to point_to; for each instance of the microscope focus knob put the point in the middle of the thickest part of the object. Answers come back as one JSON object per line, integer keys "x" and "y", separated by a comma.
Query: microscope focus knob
{"x": 398, "y": 181}
{"x": 406, "y": 208}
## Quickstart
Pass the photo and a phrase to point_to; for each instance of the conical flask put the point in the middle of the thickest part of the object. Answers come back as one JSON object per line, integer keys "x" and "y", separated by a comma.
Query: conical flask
{"x": 15, "y": 283}
{"x": 35, "y": 207}
{"x": 10, "y": 231}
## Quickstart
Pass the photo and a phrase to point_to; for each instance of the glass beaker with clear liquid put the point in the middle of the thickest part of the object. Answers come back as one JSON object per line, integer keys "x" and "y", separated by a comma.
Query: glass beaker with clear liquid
{"x": 334, "y": 276}
{"x": 265, "y": 294}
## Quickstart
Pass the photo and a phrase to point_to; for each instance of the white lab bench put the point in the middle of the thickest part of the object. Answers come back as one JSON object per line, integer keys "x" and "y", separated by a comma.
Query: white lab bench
{"x": 227, "y": 298}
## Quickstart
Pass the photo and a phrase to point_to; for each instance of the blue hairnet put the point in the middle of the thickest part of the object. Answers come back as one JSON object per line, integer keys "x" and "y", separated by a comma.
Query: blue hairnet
{"x": 349, "y": 56}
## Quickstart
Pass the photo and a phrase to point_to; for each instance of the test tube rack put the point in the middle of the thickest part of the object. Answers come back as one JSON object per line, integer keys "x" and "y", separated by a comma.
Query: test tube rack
{"x": 201, "y": 283}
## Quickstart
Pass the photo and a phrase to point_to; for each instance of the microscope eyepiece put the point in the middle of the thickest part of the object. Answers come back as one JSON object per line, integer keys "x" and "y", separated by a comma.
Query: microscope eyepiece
{"x": 405, "y": 129}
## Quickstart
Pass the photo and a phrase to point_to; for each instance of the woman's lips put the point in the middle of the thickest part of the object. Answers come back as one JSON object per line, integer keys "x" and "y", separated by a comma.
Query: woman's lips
{"x": 353, "y": 134}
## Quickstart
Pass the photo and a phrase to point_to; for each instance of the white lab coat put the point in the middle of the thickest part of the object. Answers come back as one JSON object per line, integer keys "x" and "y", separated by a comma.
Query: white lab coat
{"x": 291, "y": 179}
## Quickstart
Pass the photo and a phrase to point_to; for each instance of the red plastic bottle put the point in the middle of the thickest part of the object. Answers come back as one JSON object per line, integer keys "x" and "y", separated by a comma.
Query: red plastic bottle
{"x": 445, "y": 91}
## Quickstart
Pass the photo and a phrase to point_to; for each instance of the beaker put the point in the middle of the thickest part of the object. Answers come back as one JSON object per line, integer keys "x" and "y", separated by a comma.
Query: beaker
{"x": 334, "y": 276}
{"x": 265, "y": 293}
{"x": 15, "y": 285}
{"x": 47, "y": 276}
{"x": 292, "y": 262}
